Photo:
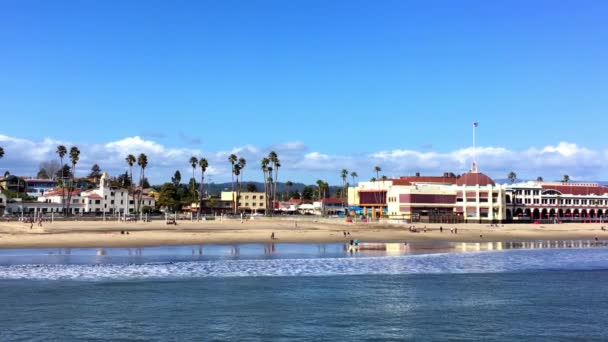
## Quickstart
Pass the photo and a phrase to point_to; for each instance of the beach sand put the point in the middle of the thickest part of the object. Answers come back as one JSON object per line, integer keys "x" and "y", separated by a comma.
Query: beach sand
{"x": 259, "y": 230}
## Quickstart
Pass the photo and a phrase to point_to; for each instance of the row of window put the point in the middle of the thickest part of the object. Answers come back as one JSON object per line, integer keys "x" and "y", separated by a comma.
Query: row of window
{"x": 567, "y": 201}
{"x": 255, "y": 197}
{"x": 527, "y": 192}
{"x": 253, "y": 204}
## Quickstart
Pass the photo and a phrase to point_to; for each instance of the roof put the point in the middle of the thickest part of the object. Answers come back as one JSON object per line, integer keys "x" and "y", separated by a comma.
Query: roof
{"x": 424, "y": 179}
{"x": 578, "y": 190}
{"x": 474, "y": 178}
{"x": 332, "y": 201}
{"x": 59, "y": 192}
{"x": 93, "y": 195}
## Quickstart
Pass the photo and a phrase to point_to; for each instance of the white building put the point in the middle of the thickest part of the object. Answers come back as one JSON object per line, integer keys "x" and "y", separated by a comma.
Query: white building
{"x": 104, "y": 199}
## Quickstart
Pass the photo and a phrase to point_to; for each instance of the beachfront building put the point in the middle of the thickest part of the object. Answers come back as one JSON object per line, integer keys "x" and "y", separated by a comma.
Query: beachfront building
{"x": 328, "y": 206}
{"x": 556, "y": 201}
{"x": 3, "y": 201}
{"x": 104, "y": 199}
{"x": 249, "y": 202}
{"x": 37, "y": 187}
{"x": 471, "y": 197}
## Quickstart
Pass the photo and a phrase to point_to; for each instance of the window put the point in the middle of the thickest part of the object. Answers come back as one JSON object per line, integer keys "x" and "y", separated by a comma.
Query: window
{"x": 97, "y": 201}
{"x": 105, "y": 197}
{"x": 112, "y": 194}
{"x": 261, "y": 204}
{"x": 112, "y": 202}
{"x": 246, "y": 204}
{"x": 254, "y": 197}
{"x": 253, "y": 204}
{"x": 90, "y": 202}
{"x": 536, "y": 201}
{"x": 584, "y": 202}
{"x": 247, "y": 197}
{"x": 261, "y": 197}
{"x": 544, "y": 201}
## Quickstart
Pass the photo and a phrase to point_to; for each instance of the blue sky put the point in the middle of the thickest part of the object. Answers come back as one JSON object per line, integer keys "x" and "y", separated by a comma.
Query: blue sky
{"x": 331, "y": 84}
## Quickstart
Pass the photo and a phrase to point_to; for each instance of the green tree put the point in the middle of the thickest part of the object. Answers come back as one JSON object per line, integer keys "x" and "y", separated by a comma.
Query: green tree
{"x": 232, "y": 159}
{"x": 194, "y": 164}
{"x": 240, "y": 166}
{"x": 168, "y": 197}
{"x": 288, "y": 186}
{"x": 42, "y": 174}
{"x": 61, "y": 152}
{"x": 344, "y": 176}
{"x": 251, "y": 187}
{"x": 512, "y": 176}
{"x": 142, "y": 162}
{"x": 539, "y": 179}
{"x": 377, "y": 170}
{"x": 308, "y": 192}
{"x": 74, "y": 158}
{"x": 177, "y": 178}
{"x": 276, "y": 164}
{"x": 565, "y": 179}
{"x": 264, "y": 164}
{"x": 95, "y": 172}
{"x": 354, "y": 176}
{"x": 1, "y": 152}
{"x": 203, "y": 164}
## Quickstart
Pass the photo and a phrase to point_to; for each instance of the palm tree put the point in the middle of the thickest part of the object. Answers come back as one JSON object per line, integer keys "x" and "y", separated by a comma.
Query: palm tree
{"x": 274, "y": 159}
{"x": 204, "y": 165}
{"x": 232, "y": 159}
{"x": 1, "y": 152}
{"x": 74, "y": 158}
{"x": 62, "y": 151}
{"x": 264, "y": 166}
{"x": 539, "y": 179}
{"x": 377, "y": 169}
{"x": 354, "y": 176}
{"x": 288, "y": 186}
{"x": 130, "y": 161}
{"x": 512, "y": 176}
{"x": 241, "y": 166}
{"x": 344, "y": 176}
{"x": 194, "y": 163}
{"x": 565, "y": 179}
{"x": 142, "y": 162}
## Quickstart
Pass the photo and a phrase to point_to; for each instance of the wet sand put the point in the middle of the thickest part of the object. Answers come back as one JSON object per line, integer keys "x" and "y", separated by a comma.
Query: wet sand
{"x": 259, "y": 230}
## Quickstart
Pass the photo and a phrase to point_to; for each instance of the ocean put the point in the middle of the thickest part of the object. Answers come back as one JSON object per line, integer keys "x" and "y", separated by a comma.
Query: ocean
{"x": 303, "y": 292}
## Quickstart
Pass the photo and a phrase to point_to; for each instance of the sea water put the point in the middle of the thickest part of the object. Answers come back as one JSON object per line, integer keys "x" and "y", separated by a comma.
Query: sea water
{"x": 303, "y": 293}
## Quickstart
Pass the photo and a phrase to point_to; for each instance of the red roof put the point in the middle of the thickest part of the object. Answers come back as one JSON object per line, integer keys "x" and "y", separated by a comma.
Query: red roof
{"x": 578, "y": 190}
{"x": 93, "y": 196}
{"x": 332, "y": 201}
{"x": 423, "y": 179}
{"x": 474, "y": 178}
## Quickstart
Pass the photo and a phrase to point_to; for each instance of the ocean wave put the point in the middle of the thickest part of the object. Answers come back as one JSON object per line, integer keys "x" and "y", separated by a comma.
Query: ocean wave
{"x": 481, "y": 262}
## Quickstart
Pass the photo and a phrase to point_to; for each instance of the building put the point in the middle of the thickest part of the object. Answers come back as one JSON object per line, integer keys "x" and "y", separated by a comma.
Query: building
{"x": 250, "y": 202}
{"x": 471, "y": 197}
{"x": 37, "y": 187}
{"x": 104, "y": 199}
{"x": 532, "y": 201}
{"x": 3, "y": 201}
{"x": 329, "y": 206}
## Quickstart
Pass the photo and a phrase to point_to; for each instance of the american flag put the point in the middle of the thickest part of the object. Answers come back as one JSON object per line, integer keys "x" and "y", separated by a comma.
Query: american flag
{"x": 475, "y": 124}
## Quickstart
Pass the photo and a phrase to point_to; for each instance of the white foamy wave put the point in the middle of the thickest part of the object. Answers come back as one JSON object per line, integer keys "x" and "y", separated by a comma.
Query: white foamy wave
{"x": 484, "y": 262}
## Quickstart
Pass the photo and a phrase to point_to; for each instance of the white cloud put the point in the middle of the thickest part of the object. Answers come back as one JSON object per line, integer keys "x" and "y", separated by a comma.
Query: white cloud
{"x": 23, "y": 157}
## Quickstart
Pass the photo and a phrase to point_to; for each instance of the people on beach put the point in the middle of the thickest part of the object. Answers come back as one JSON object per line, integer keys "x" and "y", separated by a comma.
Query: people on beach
{"x": 272, "y": 236}
{"x": 441, "y": 229}
{"x": 455, "y": 230}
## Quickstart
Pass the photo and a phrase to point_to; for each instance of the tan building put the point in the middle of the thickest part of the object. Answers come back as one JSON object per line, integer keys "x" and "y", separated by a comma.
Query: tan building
{"x": 251, "y": 202}
{"x": 471, "y": 197}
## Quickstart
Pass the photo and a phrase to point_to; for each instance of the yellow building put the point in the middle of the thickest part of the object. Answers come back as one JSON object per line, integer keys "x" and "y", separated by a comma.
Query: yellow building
{"x": 253, "y": 202}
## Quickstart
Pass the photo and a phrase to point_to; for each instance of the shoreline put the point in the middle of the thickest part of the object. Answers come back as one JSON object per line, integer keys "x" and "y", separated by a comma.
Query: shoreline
{"x": 85, "y": 234}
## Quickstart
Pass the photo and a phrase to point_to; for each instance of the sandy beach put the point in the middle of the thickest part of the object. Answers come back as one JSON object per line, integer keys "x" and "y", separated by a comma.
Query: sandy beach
{"x": 304, "y": 230}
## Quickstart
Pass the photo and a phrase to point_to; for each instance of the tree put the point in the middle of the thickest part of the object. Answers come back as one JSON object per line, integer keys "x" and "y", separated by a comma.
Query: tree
{"x": 50, "y": 168}
{"x": 64, "y": 171}
{"x": 42, "y": 174}
{"x": 354, "y": 176}
{"x": 177, "y": 178}
{"x": 124, "y": 180}
{"x": 539, "y": 179}
{"x": 61, "y": 152}
{"x": 344, "y": 176}
{"x": 377, "y": 170}
{"x": 74, "y": 158}
{"x": 168, "y": 197}
{"x": 251, "y": 187}
{"x": 264, "y": 166}
{"x": 565, "y": 179}
{"x": 1, "y": 152}
{"x": 232, "y": 159}
{"x": 193, "y": 163}
{"x": 276, "y": 164}
{"x": 204, "y": 164}
{"x": 142, "y": 162}
{"x": 288, "y": 186}
{"x": 239, "y": 171}
{"x": 512, "y": 176}
{"x": 308, "y": 192}
{"x": 95, "y": 172}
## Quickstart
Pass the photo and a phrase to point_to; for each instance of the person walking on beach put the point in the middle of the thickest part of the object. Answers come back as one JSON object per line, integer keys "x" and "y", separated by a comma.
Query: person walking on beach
{"x": 455, "y": 230}
{"x": 272, "y": 236}
{"x": 441, "y": 229}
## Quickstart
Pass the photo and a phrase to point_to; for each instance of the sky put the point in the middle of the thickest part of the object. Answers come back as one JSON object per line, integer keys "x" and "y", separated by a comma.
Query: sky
{"x": 328, "y": 85}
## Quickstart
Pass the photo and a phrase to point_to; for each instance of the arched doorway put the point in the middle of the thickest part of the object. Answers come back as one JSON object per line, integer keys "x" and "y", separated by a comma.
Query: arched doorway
{"x": 544, "y": 214}
{"x": 600, "y": 213}
{"x": 509, "y": 215}
{"x": 560, "y": 213}
{"x": 552, "y": 213}
{"x": 519, "y": 212}
{"x": 592, "y": 213}
{"x": 576, "y": 213}
{"x": 528, "y": 214}
{"x": 535, "y": 214}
